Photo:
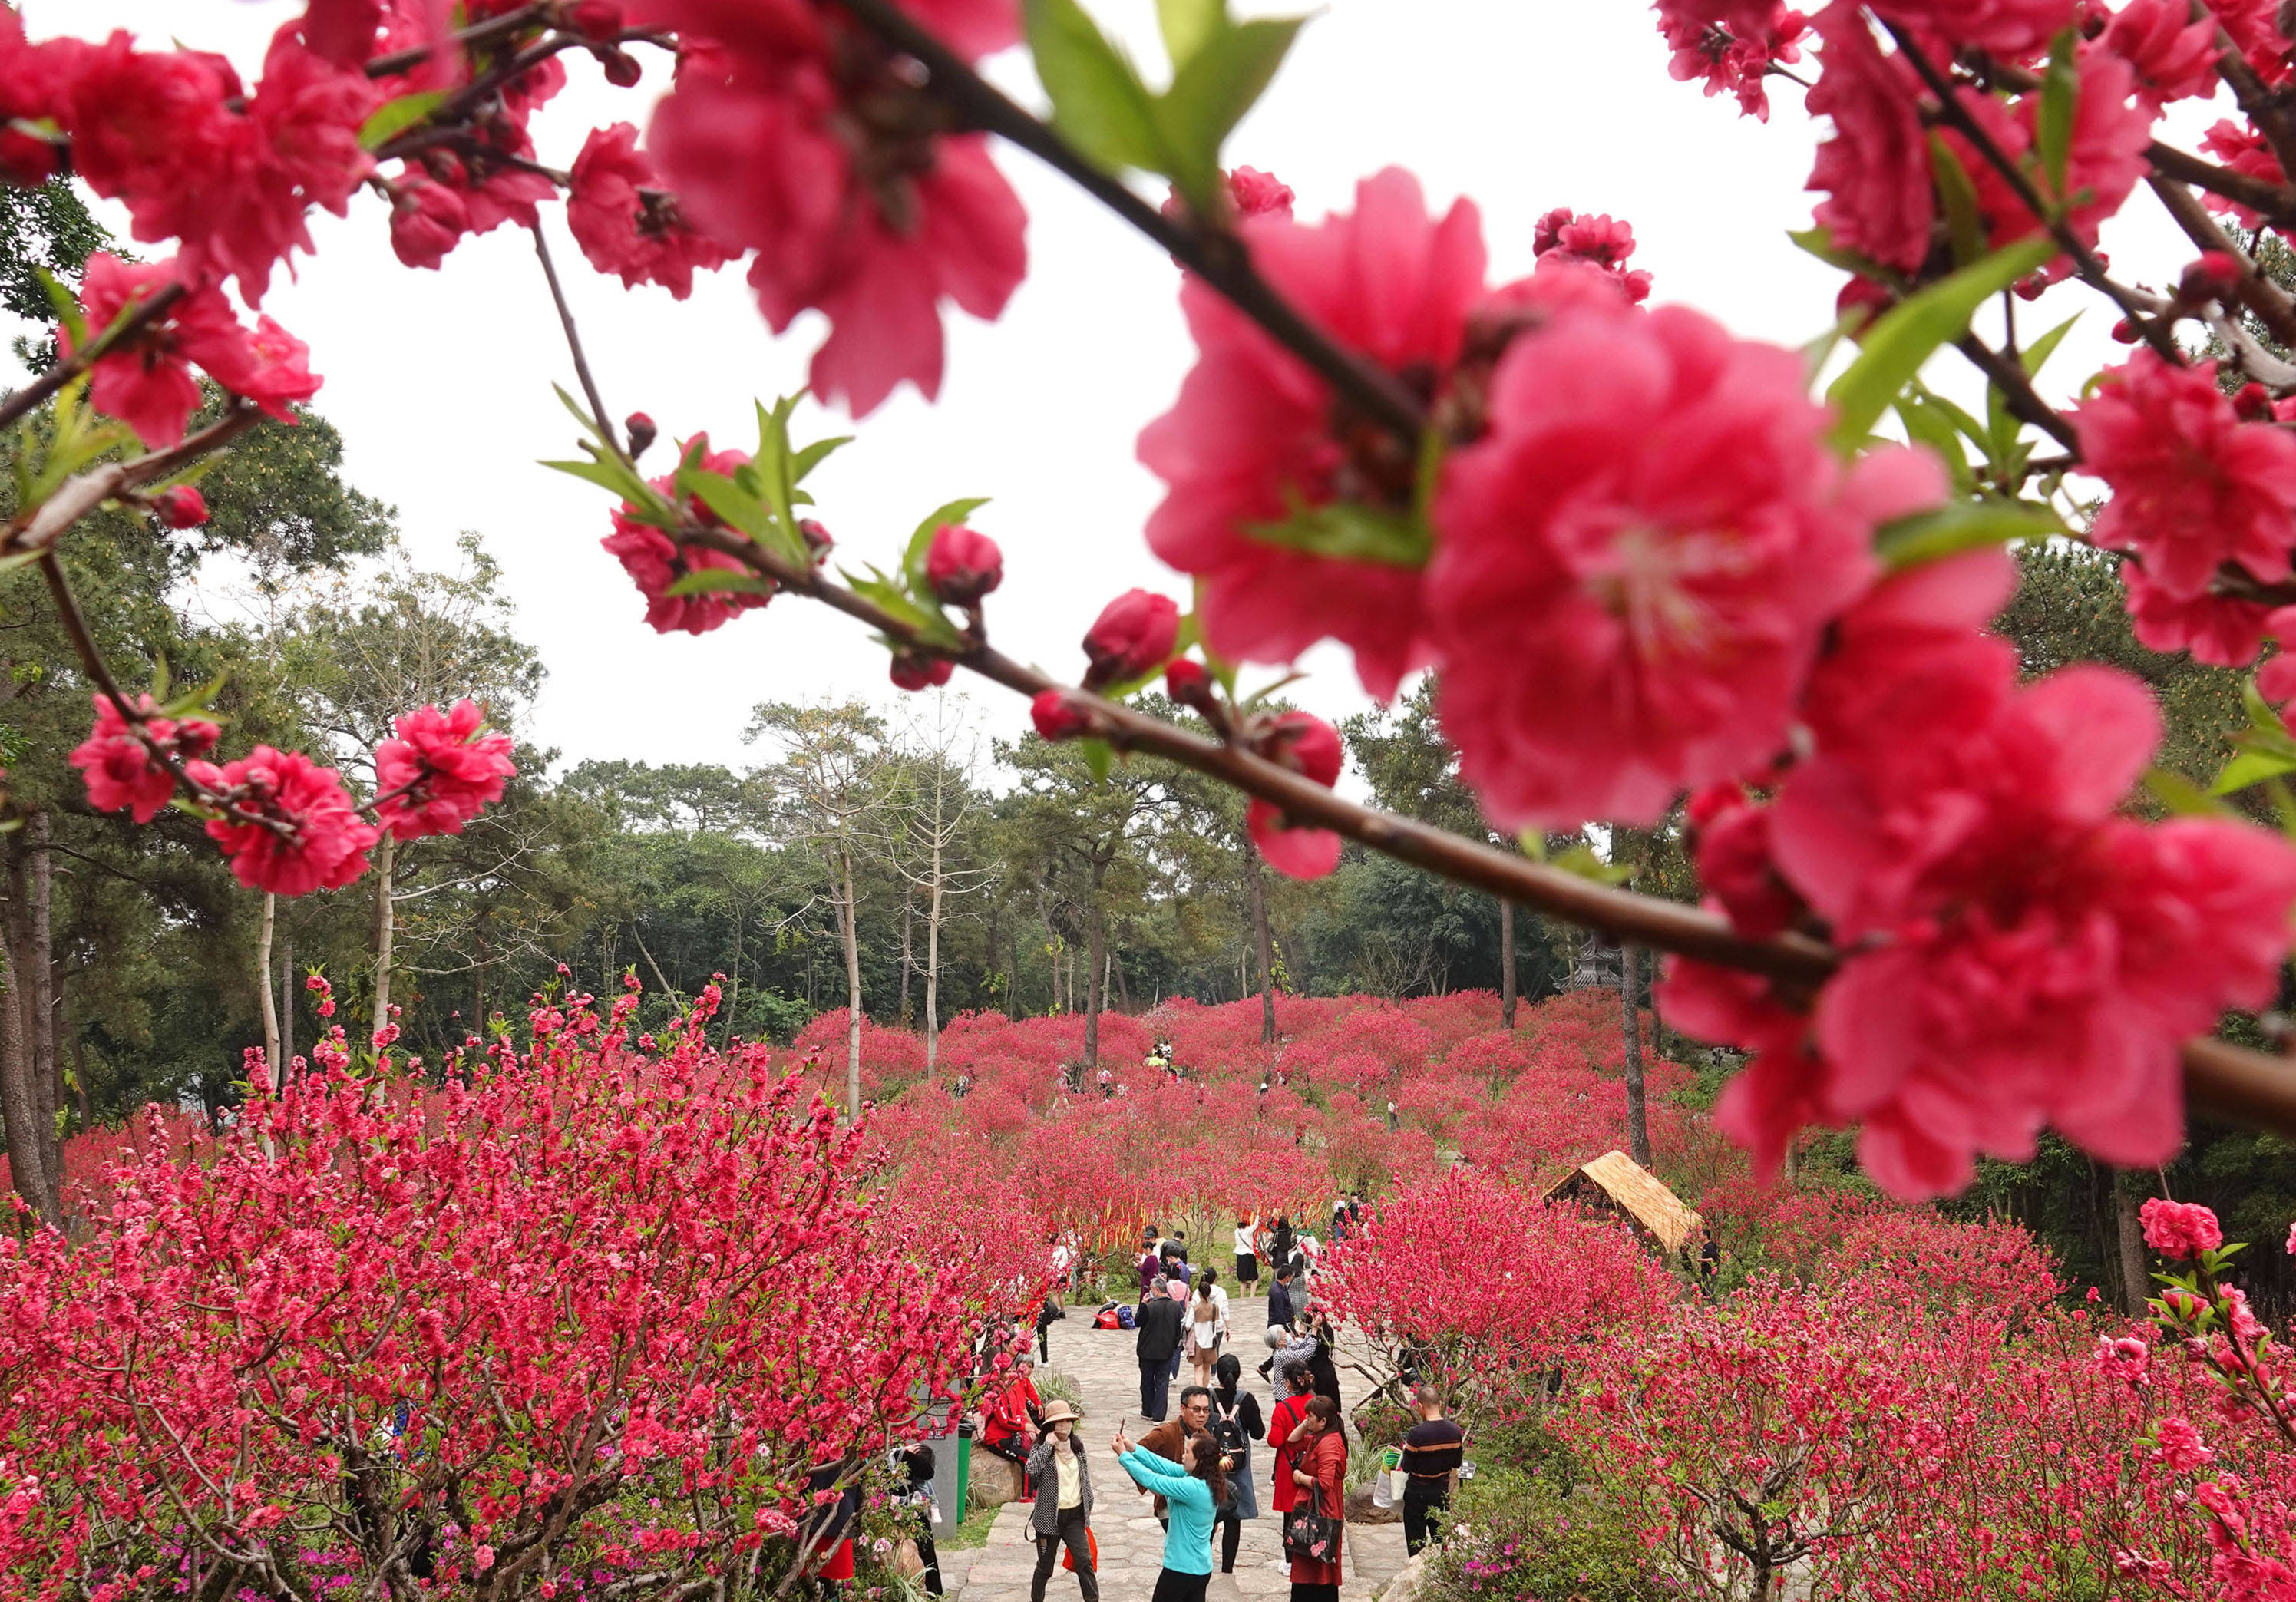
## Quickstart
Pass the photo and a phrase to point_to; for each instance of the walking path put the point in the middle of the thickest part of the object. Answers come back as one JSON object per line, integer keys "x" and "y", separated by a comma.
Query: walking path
{"x": 1131, "y": 1543}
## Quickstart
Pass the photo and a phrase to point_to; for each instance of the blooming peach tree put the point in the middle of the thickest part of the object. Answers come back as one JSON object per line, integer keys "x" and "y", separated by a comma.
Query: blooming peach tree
{"x": 583, "y": 1319}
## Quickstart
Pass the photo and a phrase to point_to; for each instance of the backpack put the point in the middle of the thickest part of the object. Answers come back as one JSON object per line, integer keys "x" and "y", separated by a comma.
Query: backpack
{"x": 1107, "y": 1318}
{"x": 1124, "y": 1319}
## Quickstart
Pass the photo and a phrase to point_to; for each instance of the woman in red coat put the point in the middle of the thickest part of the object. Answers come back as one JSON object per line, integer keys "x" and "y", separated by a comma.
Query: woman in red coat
{"x": 1319, "y": 1473}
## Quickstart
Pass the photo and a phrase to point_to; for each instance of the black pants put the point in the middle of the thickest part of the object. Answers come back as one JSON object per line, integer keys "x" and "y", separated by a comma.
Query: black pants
{"x": 1173, "y": 1586}
{"x": 927, "y": 1553}
{"x": 1155, "y": 1388}
{"x": 1072, "y": 1536}
{"x": 1045, "y": 1342}
{"x": 1314, "y": 1593}
{"x": 1230, "y": 1529}
{"x": 1425, "y": 1504}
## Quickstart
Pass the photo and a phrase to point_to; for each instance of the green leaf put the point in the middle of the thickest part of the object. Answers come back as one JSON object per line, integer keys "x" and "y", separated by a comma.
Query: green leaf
{"x": 1906, "y": 336}
{"x": 1962, "y": 526}
{"x": 607, "y": 476}
{"x": 2053, "y": 128}
{"x": 710, "y": 580}
{"x": 927, "y": 624}
{"x": 2035, "y": 355}
{"x": 1350, "y": 531}
{"x": 1098, "y": 757}
{"x": 920, "y": 546}
{"x": 1098, "y": 100}
{"x": 1210, "y": 92}
{"x": 814, "y": 455}
{"x": 1929, "y": 425}
{"x": 197, "y": 702}
{"x": 67, "y": 306}
{"x": 2251, "y": 768}
{"x": 1532, "y": 842}
{"x": 736, "y": 507}
{"x": 589, "y": 423}
{"x": 2262, "y": 715}
{"x": 1965, "y": 218}
{"x": 393, "y": 117}
{"x": 1580, "y": 860}
{"x": 1187, "y": 24}
{"x": 2183, "y": 797}
{"x": 1819, "y": 242}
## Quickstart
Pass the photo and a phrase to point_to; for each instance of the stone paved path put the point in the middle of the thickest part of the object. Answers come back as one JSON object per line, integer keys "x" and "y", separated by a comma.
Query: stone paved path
{"x": 1131, "y": 1543}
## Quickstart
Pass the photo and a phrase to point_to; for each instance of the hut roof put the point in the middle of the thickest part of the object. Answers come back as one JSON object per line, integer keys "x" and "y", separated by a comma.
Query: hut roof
{"x": 1638, "y": 1192}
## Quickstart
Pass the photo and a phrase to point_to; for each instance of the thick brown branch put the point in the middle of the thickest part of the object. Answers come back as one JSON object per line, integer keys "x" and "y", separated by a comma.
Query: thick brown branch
{"x": 1212, "y": 254}
{"x": 2274, "y": 201}
{"x": 2258, "y": 293}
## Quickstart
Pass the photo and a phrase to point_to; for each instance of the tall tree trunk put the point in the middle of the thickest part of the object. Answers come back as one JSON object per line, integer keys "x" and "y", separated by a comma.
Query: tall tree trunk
{"x": 992, "y": 952}
{"x": 1506, "y": 965}
{"x": 1630, "y": 1025}
{"x": 386, "y": 857}
{"x": 849, "y": 924}
{"x": 263, "y": 987}
{"x": 908, "y": 951}
{"x": 2135, "y": 1283}
{"x": 1123, "y": 991}
{"x": 733, "y": 980}
{"x": 932, "y": 962}
{"x": 1091, "y": 969}
{"x": 1267, "y": 942}
{"x": 40, "y": 1033}
{"x": 287, "y": 989}
{"x": 28, "y": 1164}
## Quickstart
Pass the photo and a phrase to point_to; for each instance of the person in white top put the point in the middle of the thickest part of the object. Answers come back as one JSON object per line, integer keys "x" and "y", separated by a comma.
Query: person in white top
{"x": 1207, "y": 1324}
{"x": 1247, "y": 1253}
{"x": 1064, "y": 1262}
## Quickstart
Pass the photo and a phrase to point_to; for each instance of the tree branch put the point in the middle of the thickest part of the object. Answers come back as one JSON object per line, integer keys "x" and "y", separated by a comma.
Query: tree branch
{"x": 147, "y": 312}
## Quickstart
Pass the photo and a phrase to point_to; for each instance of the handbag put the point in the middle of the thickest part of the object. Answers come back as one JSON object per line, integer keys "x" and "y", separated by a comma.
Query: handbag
{"x": 1092, "y": 1542}
{"x": 1310, "y": 1535}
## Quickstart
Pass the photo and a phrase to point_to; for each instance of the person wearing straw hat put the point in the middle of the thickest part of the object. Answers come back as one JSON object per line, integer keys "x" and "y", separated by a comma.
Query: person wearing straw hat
{"x": 1063, "y": 1515}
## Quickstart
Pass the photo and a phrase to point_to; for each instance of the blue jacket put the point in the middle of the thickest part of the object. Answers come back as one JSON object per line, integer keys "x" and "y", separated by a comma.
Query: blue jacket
{"x": 1188, "y": 1539}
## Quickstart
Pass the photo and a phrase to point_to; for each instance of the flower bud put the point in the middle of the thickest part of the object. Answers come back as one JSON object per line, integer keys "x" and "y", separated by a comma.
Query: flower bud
{"x": 817, "y": 542}
{"x": 181, "y": 508}
{"x": 963, "y": 565}
{"x": 2125, "y": 333}
{"x": 2212, "y": 276}
{"x": 2253, "y": 402}
{"x": 1055, "y": 718}
{"x": 920, "y": 669}
{"x": 642, "y": 431}
{"x": 1134, "y": 635}
{"x": 426, "y": 221}
{"x": 1303, "y": 743}
{"x": 1185, "y": 681}
{"x": 621, "y": 68}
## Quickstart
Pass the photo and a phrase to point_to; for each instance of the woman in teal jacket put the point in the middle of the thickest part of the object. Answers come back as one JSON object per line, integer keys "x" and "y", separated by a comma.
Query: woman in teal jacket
{"x": 1190, "y": 1495}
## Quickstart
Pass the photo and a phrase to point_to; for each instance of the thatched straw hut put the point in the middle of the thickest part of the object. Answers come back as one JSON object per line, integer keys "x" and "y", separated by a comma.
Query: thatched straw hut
{"x": 1616, "y": 1183}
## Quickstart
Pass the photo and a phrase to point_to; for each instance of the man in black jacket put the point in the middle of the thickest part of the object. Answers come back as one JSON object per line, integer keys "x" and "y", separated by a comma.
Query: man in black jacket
{"x": 1159, "y": 1323}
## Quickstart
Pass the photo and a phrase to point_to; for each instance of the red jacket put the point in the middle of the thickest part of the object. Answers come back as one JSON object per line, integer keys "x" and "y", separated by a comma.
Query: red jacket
{"x": 1008, "y": 1412}
{"x": 1280, "y": 1426}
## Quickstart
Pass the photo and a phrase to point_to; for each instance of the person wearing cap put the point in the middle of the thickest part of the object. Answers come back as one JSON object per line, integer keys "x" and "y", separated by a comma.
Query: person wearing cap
{"x": 1063, "y": 1514}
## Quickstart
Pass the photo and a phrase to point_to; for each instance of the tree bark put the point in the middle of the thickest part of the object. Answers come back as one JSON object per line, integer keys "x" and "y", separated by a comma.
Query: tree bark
{"x": 1630, "y": 1028}
{"x": 734, "y": 979}
{"x": 1266, "y": 941}
{"x": 932, "y": 957}
{"x": 2135, "y": 1283}
{"x": 1506, "y": 965}
{"x": 287, "y": 989}
{"x": 908, "y": 951}
{"x": 386, "y": 856}
{"x": 271, "y": 1056}
{"x": 848, "y": 925}
{"x": 40, "y": 1032}
{"x": 1093, "y": 969}
{"x": 27, "y": 1156}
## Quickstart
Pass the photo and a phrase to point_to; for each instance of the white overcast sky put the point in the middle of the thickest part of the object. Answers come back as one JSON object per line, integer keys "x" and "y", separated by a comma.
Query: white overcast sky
{"x": 441, "y": 381}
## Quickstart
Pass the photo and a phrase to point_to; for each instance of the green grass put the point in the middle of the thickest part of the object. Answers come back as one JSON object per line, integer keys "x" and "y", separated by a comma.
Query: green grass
{"x": 973, "y": 1532}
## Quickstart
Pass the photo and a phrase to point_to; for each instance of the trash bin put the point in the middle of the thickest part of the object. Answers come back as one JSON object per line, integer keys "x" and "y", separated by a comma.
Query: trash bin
{"x": 964, "y": 1470}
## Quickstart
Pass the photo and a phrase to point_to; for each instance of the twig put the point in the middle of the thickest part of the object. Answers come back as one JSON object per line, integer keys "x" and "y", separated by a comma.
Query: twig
{"x": 574, "y": 340}
{"x": 1216, "y": 257}
{"x": 145, "y": 314}
{"x": 2273, "y": 200}
{"x": 2270, "y": 302}
{"x": 2024, "y": 400}
{"x": 2261, "y": 102}
{"x": 2084, "y": 262}
{"x": 480, "y": 33}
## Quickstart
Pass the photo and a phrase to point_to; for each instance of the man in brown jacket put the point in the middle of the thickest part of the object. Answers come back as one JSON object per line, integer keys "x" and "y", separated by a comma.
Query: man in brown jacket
{"x": 1170, "y": 1440}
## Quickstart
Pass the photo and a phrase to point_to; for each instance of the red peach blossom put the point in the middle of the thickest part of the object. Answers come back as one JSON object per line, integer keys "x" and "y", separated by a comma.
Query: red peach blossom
{"x": 2193, "y": 487}
{"x": 2113, "y": 125}
{"x": 1254, "y": 435}
{"x": 2222, "y": 632}
{"x": 655, "y": 562}
{"x": 439, "y": 771}
{"x": 2179, "y": 1228}
{"x": 963, "y": 565}
{"x": 2172, "y": 52}
{"x": 123, "y": 773}
{"x": 1311, "y": 747}
{"x": 146, "y": 381}
{"x": 1874, "y": 170}
{"x": 2005, "y": 28}
{"x": 1634, "y": 565}
{"x": 324, "y": 844}
{"x": 427, "y": 220}
{"x": 627, "y": 224}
